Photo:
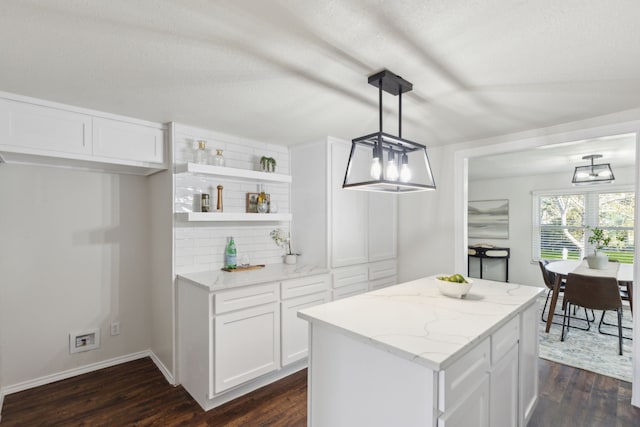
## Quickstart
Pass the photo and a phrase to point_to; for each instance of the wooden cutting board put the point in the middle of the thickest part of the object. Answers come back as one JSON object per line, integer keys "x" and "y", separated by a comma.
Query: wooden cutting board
{"x": 247, "y": 268}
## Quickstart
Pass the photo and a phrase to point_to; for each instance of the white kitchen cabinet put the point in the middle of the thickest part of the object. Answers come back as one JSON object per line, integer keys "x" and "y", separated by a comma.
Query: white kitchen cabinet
{"x": 349, "y": 228}
{"x": 41, "y": 130}
{"x": 383, "y": 226}
{"x": 115, "y": 139}
{"x": 473, "y": 410}
{"x": 385, "y": 282}
{"x": 336, "y": 227}
{"x": 504, "y": 390}
{"x": 246, "y": 344}
{"x": 528, "y": 362}
{"x": 295, "y": 331}
{"x": 33, "y": 131}
{"x": 297, "y": 294}
{"x": 475, "y": 383}
{"x": 350, "y": 281}
{"x": 233, "y": 338}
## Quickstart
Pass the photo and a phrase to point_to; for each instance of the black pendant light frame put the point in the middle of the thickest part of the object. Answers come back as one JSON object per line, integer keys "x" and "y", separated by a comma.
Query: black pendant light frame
{"x": 593, "y": 172}
{"x": 380, "y": 141}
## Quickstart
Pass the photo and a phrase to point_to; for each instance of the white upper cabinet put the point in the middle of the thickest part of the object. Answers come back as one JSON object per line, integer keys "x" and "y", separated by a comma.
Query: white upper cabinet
{"x": 383, "y": 226}
{"x": 333, "y": 226}
{"x": 349, "y": 216}
{"x": 35, "y": 128}
{"x": 119, "y": 140}
{"x": 39, "y": 132}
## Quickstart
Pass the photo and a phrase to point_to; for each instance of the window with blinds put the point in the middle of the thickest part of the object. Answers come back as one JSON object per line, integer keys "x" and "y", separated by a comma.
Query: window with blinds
{"x": 561, "y": 222}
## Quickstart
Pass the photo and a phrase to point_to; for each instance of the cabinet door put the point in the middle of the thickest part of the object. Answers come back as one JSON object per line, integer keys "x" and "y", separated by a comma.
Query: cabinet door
{"x": 127, "y": 141}
{"x": 383, "y": 226}
{"x": 528, "y": 348}
{"x": 295, "y": 331}
{"x": 504, "y": 390}
{"x": 473, "y": 410}
{"x": 246, "y": 345}
{"x": 349, "y": 217}
{"x": 48, "y": 131}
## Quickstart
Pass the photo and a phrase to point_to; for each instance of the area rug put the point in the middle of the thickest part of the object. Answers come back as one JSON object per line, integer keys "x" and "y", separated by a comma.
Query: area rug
{"x": 588, "y": 350}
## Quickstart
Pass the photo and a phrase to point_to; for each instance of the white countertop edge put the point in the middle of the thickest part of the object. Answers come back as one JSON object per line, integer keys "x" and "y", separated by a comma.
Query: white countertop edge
{"x": 218, "y": 280}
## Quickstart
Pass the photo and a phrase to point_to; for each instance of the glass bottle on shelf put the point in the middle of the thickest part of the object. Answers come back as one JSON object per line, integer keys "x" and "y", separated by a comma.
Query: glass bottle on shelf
{"x": 263, "y": 203}
{"x": 231, "y": 254}
{"x": 218, "y": 159}
{"x": 201, "y": 154}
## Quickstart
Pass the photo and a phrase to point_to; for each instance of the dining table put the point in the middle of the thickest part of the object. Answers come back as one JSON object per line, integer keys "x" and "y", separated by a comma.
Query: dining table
{"x": 561, "y": 269}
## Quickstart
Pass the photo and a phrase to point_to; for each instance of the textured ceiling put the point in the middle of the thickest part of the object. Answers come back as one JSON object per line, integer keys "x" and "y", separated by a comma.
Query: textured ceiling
{"x": 292, "y": 71}
{"x": 617, "y": 150}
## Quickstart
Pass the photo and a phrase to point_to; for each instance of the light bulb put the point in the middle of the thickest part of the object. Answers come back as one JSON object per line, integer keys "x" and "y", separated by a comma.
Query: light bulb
{"x": 405, "y": 172}
{"x": 376, "y": 168}
{"x": 392, "y": 169}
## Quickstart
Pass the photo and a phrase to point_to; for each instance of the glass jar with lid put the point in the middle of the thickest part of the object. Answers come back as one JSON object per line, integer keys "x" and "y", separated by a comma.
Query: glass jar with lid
{"x": 218, "y": 159}
{"x": 201, "y": 153}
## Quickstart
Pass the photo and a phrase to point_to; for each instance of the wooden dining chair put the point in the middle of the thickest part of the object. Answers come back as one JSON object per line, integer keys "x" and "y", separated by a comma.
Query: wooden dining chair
{"x": 597, "y": 293}
{"x": 549, "y": 280}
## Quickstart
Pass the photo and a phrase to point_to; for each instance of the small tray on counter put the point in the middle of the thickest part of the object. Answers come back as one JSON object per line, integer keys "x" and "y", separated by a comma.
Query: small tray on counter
{"x": 246, "y": 268}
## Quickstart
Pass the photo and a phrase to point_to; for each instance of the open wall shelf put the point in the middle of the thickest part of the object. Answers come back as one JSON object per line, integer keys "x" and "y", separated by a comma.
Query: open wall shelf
{"x": 235, "y": 173}
{"x": 233, "y": 216}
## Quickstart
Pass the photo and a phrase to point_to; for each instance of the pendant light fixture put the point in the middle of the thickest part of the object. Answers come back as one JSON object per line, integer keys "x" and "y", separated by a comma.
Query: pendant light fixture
{"x": 593, "y": 174}
{"x": 387, "y": 163}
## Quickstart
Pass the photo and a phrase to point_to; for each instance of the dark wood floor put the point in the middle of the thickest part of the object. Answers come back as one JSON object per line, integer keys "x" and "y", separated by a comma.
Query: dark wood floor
{"x": 136, "y": 393}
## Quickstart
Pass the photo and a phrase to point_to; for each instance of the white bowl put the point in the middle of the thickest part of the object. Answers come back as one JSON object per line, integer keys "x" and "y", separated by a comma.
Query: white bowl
{"x": 453, "y": 289}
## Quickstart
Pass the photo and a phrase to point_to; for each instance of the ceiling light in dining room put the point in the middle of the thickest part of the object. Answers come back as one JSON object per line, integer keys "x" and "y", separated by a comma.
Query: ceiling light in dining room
{"x": 387, "y": 163}
{"x": 593, "y": 174}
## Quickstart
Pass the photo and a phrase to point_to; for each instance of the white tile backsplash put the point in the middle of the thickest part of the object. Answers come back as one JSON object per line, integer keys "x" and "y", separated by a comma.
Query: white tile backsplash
{"x": 201, "y": 246}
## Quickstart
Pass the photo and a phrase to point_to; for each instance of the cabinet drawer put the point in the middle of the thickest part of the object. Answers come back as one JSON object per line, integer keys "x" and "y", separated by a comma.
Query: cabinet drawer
{"x": 378, "y": 270}
{"x": 504, "y": 338}
{"x": 251, "y": 296}
{"x": 382, "y": 283}
{"x": 351, "y": 290}
{"x": 304, "y": 286}
{"x": 464, "y": 374}
{"x": 350, "y": 275}
{"x": 127, "y": 141}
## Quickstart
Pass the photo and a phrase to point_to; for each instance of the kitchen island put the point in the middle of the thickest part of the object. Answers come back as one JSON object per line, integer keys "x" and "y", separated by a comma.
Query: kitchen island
{"x": 408, "y": 356}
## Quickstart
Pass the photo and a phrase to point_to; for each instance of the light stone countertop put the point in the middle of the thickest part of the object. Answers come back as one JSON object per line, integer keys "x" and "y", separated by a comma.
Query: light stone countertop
{"x": 414, "y": 321}
{"x": 219, "y": 280}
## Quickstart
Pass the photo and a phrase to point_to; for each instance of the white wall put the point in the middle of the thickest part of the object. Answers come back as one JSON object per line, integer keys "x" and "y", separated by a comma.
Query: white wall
{"x": 518, "y": 191}
{"x": 201, "y": 246}
{"x": 73, "y": 256}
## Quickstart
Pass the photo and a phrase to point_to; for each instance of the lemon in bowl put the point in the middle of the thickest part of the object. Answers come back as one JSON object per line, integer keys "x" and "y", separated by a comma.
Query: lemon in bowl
{"x": 454, "y": 285}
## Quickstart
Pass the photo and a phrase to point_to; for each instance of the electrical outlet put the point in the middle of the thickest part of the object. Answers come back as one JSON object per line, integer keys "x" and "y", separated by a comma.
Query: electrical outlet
{"x": 115, "y": 328}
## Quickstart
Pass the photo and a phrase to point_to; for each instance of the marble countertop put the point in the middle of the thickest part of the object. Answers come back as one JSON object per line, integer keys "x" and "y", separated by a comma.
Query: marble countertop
{"x": 414, "y": 321}
{"x": 220, "y": 280}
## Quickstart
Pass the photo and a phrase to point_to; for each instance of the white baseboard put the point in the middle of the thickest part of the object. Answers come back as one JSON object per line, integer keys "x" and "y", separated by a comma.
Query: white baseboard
{"x": 167, "y": 374}
{"x": 47, "y": 379}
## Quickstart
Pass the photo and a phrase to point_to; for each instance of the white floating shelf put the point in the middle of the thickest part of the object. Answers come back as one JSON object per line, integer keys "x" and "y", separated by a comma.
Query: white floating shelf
{"x": 224, "y": 216}
{"x": 243, "y": 174}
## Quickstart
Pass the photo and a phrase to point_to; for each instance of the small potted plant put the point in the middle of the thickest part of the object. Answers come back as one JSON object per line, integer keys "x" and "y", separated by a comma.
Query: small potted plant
{"x": 283, "y": 239}
{"x": 267, "y": 164}
{"x": 599, "y": 239}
